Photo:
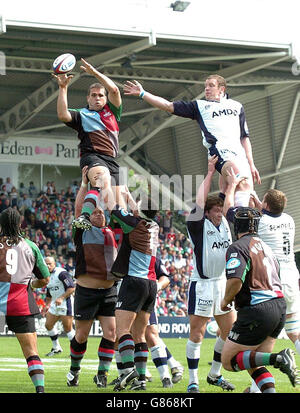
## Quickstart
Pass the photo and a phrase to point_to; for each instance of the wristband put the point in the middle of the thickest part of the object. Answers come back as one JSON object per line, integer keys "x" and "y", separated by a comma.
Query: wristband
{"x": 141, "y": 95}
{"x": 83, "y": 185}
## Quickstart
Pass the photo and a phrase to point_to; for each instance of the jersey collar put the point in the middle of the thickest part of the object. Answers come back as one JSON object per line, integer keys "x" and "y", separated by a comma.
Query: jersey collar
{"x": 264, "y": 211}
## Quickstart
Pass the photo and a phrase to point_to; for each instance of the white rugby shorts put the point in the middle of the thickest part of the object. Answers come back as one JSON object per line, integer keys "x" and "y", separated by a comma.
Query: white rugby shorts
{"x": 205, "y": 296}
{"x": 59, "y": 310}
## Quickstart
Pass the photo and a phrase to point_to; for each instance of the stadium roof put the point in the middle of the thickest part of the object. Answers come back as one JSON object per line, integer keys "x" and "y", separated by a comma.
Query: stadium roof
{"x": 170, "y": 64}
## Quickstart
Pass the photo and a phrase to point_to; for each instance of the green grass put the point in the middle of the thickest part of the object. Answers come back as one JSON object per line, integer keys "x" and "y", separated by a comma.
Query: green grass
{"x": 14, "y": 377}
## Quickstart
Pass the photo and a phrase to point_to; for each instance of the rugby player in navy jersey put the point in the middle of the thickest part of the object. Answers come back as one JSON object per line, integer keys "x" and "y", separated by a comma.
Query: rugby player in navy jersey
{"x": 210, "y": 235}
{"x": 253, "y": 283}
{"x": 19, "y": 259}
{"x": 98, "y": 132}
{"x": 224, "y": 130}
{"x": 59, "y": 304}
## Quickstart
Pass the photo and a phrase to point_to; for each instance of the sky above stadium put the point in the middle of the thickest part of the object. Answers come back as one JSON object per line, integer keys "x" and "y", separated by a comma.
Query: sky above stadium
{"x": 250, "y": 20}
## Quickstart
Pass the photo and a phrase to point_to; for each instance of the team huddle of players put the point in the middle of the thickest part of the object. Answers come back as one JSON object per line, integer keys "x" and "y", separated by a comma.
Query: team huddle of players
{"x": 117, "y": 279}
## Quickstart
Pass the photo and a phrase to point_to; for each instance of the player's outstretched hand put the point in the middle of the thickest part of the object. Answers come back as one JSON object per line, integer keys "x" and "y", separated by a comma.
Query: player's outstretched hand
{"x": 133, "y": 88}
{"x": 255, "y": 175}
{"x": 87, "y": 67}
{"x": 211, "y": 167}
{"x": 62, "y": 80}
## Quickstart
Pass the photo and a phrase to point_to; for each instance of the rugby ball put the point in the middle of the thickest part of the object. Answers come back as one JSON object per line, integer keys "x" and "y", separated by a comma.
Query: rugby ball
{"x": 64, "y": 63}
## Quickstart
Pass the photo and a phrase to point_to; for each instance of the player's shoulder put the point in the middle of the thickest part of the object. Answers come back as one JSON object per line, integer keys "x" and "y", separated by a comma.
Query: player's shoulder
{"x": 234, "y": 102}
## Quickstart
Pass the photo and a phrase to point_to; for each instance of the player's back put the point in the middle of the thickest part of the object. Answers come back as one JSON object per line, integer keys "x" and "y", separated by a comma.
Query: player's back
{"x": 279, "y": 233}
{"x": 17, "y": 263}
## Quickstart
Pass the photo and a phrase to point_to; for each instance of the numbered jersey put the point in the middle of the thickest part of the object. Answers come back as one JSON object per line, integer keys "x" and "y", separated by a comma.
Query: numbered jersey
{"x": 137, "y": 254}
{"x": 17, "y": 264}
{"x": 278, "y": 231}
{"x": 253, "y": 262}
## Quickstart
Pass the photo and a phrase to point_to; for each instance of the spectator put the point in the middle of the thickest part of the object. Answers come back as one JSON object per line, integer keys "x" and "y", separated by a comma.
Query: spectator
{"x": 24, "y": 203}
{"x": 179, "y": 261}
{"x": 14, "y": 196}
{"x": 8, "y": 185}
{"x": 5, "y": 204}
{"x": 4, "y": 190}
{"x": 32, "y": 191}
{"x": 47, "y": 187}
{"x": 22, "y": 189}
{"x": 167, "y": 221}
{"x": 171, "y": 236}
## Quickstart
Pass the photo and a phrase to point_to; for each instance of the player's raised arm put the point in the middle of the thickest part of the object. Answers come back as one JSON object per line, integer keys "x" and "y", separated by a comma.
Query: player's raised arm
{"x": 134, "y": 88}
{"x": 62, "y": 101}
{"x": 114, "y": 95}
{"x": 204, "y": 188}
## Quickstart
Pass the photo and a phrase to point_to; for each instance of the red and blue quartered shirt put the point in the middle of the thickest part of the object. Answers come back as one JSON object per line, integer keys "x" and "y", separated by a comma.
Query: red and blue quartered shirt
{"x": 137, "y": 254}
{"x": 17, "y": 264}
{"x": 96, "y": 251}
{"x": 98, "y": 131}
{"x": 252, "y": 261}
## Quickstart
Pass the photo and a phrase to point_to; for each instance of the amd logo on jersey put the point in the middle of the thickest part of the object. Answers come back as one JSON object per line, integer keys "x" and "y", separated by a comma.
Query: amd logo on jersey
{"x": 225, "y": 112}
{"x": 223, "y": 244}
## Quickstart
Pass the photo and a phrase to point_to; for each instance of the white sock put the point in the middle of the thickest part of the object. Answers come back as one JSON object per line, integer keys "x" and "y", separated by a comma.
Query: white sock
{"x": 193, "y": 357}
{"x": 216, "y": 365}
{"x": 170, "y": 359}
{"x": 159, "y": 358}
{"x": 71, "y": 334}
{"x": 297, "y": 345}
{"x": 54, "y": 338}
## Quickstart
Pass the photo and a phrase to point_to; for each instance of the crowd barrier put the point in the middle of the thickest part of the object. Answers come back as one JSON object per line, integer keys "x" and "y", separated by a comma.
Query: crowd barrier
{"x": 168, "y": 327}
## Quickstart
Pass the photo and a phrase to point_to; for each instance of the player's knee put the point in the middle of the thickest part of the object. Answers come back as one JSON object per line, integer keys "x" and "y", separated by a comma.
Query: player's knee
{"x": 99, "y": 177}
{"x": 226, "y": 362}
{"x": 151, "y": 338}
{"x": 110, "y": 333}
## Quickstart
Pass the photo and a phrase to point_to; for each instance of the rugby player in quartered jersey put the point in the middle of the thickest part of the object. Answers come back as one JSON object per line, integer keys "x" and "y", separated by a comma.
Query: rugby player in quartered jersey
{"x": 21, "y": 258}
{"x": 253, "y": 283}
{"x": 135, "y": 264}
{"x": 96, "y": 292}
{"x": 98, "y": 132}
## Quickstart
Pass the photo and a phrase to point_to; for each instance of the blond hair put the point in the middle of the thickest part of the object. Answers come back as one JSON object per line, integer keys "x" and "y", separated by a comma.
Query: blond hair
{"x": 276, "y": 201}
{"x": 221, "y": 81}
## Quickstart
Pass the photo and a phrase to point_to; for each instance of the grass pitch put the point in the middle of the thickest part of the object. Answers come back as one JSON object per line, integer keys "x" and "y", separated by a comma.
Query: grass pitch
{"x": 14, "y": 377}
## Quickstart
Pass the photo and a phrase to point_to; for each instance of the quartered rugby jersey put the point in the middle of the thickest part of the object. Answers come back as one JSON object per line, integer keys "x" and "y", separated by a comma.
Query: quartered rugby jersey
{"x": 98, "y": 131}
{"x": 96, "y": 251}
{"x": 17, "y": 264}
{"x": 60, "y": 281}
{"x": 137, "y": 254}
{"x": 209, "y": 246}
{"x": 223, "y": 124}
{"x": 252, "y": 261}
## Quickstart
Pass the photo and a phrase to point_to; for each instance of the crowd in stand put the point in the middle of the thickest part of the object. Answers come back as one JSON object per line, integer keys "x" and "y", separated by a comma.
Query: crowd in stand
{"x": 47, "y": 217}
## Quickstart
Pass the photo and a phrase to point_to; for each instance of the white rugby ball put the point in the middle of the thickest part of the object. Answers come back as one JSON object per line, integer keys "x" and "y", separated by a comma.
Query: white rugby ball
{"x": 64, "y": 63}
